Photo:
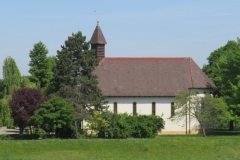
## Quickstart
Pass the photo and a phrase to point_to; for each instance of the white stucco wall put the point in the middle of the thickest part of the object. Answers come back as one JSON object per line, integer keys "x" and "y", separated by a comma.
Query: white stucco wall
{"x": 201, "y": 92}
{"x": 144, "y": 106}
{"x": 163, "y": 108}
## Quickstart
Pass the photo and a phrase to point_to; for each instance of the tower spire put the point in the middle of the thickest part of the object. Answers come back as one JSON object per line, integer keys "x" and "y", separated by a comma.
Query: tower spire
{"x": 98, "y": 42}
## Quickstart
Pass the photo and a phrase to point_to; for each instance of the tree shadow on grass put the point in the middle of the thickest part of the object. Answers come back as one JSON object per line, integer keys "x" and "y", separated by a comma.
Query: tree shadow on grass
{"x": 224, "y": 133}
{"x": 19, "y": 137}
{"x": 25, "y": 137}
{"x": 211, "y": 134}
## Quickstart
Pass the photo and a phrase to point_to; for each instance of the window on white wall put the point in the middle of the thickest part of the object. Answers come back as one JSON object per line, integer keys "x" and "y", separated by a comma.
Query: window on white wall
{"x": 115, "y": 107}
{"x": 172, "y": 109}
{"x": 134, "y": 108}
{"x": 153, "y": 108}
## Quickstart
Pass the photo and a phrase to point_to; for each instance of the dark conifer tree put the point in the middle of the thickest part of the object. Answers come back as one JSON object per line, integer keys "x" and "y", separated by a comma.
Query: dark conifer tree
{"x": 74, "y": 79}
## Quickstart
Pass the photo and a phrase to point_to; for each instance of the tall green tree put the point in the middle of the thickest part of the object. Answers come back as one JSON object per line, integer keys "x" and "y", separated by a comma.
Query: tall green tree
{"x": 223, "y": 70}
{"x": 11, "y": 82}
{"x": 206, "y": 110}
{"x": 25, "y": 82}
{"x": 5, "y": 113}
{"x": 2, "y": 89}
{"x": 212, "y": 69}
{"x": 73, "y": 74}
{"x": 40, "y": 65}
{"x": 230, "y": 74}
{"x": 50, "y": 88}
{"x": 11, "y": 75}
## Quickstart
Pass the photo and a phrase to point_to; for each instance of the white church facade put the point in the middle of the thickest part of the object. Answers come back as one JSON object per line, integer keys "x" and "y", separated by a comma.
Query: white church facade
{"x": 148, "y": 85}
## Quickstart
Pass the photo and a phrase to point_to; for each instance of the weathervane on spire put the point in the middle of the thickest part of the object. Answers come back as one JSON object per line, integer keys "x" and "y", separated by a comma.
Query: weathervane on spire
{"x": 97, "y": 23}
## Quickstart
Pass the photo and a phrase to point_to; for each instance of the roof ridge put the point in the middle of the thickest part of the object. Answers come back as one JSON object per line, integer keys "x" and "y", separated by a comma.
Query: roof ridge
{"x": 146, "y": 58}
{"x": 101, "y": 61}
{"x": 200, "y": 69}
{"x": 190, "y": 67}
{"x": 198, "y": 66}
{"x": 150, "y": 57}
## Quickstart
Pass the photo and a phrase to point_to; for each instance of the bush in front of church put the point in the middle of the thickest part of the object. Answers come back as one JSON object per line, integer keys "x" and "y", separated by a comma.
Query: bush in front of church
{"x": 146, "y": 126}
{"x": 125, "y": 126}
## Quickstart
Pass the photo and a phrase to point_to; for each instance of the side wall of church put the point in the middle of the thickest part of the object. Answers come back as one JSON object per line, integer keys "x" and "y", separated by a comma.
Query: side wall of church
{"x": 162, "y": 108}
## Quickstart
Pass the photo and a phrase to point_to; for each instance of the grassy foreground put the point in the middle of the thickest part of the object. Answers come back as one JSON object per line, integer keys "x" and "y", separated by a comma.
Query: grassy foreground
{"x": 161, "y": 147}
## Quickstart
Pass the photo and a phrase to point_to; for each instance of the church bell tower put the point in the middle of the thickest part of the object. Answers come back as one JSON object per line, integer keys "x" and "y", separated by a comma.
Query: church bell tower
{"x": 98, "y": 43}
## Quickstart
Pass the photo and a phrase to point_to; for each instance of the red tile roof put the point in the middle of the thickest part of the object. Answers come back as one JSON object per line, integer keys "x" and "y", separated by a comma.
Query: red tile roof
{"x": 149, "y": 76}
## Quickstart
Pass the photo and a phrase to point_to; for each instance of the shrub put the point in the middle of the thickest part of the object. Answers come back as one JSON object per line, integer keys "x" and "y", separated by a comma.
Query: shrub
{"x": 55, "y": 115}
{"x": 5, "y": 137}
{"x": 125, "y": 125}
{"x": 146, "y": 126}
{"x": 40, "y": 132}
{"x": 96, "y": 121}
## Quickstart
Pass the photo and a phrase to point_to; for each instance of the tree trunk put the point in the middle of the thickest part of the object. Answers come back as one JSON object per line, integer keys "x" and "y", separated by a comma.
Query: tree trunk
{"x": 91, "y": 133}
{"x": 203, "y": 131}
{"x": 57, "y": 133}
{"x": 231, "y": 126}
{"x": 21, "y": 130}
{"x": 30, "y": 129}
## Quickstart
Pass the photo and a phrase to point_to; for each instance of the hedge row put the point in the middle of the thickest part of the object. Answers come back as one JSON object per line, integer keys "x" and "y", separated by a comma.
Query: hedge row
{"x": 125, "y": 125}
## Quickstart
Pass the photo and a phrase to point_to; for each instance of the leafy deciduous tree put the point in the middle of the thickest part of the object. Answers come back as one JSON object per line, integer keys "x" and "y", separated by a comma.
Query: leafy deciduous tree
{"x": 206, "y": 110}
{"x": 25, "y": 82}
{"x": 11, "y": 75}
{"x": 41, "y": 65}
{"x": 5, "y": 113}
{"x": 223, "y": 69}
{"x": 96, "y": 121}
{"x": 11, "y": 81}
{"x": 55, "y": 115}
{"x": 23, "y": 104}
{"x": 230, "y": 75}
{"x": 2, "y": 89}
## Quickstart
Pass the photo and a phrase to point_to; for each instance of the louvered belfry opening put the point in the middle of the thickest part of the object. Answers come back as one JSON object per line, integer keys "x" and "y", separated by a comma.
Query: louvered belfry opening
{"x": 99, "y": 50}
{"x": 98, "y": 43}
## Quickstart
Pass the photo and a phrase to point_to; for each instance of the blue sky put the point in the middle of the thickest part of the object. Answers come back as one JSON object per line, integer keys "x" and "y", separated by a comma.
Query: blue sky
{"x": 153, "y": 28}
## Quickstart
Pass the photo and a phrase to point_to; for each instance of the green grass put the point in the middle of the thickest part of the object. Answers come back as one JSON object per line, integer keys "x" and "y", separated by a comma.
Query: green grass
{"x": 161, "y": 147}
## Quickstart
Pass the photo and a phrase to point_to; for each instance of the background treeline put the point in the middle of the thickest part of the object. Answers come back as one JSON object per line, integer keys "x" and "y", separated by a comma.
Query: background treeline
{"x": 223, "y": 69}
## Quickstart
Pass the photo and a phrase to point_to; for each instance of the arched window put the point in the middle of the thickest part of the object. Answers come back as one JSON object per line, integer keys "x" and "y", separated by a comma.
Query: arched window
{"x": 153, "y": 108}
{"x": 134, "y": 108}
{"x": 172, "y": 109}
{"x": 115, "y": 107}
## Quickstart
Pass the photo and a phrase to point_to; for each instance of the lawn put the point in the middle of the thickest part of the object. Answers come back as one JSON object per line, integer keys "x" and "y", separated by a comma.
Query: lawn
{"x": 161, "y": 147}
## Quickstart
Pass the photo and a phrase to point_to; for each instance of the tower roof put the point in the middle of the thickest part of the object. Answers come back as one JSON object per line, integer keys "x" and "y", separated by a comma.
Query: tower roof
{"x": 98, "y": 37}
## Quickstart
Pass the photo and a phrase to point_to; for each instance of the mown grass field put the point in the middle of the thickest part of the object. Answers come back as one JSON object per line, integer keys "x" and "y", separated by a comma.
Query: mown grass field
{"x": 161, "y": 147}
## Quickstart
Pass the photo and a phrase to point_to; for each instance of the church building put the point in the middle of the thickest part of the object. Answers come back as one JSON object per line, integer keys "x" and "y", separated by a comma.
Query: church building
{"x": 148, "y": 85}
